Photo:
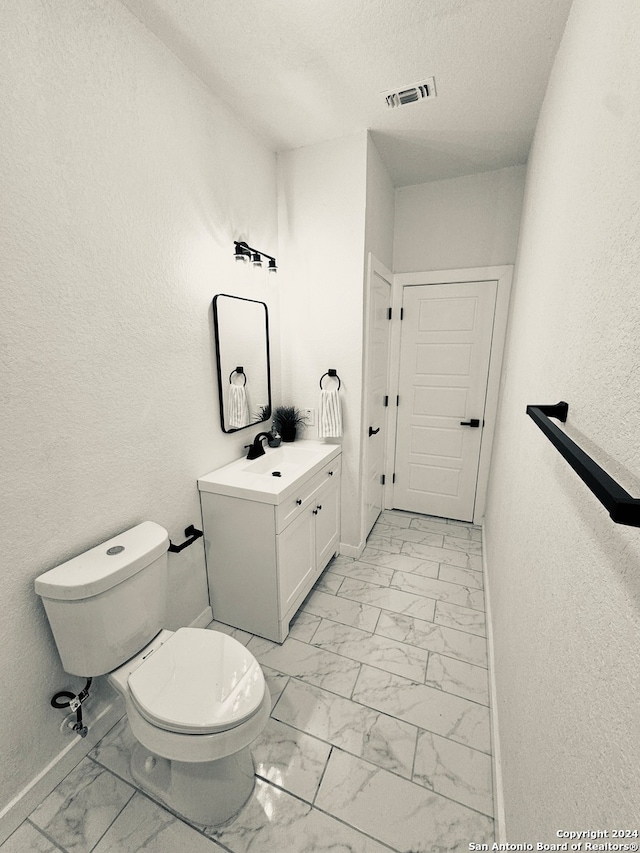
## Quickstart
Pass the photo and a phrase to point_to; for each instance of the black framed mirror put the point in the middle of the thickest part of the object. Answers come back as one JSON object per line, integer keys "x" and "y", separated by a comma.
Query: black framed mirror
{"x": 241, "y": 328}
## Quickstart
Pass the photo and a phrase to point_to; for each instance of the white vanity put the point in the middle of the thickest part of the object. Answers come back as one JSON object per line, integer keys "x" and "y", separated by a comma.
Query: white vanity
{"x": 271, "y": 525}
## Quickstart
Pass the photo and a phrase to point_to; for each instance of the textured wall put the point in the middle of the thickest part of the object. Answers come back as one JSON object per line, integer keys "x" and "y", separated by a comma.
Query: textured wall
{"x": 380, "y": 209}
{"x": 462, "y": 222}
{"x": 565, "y": 580}
{"x": 123, "y": 185}
{"x": 322, "y": 190}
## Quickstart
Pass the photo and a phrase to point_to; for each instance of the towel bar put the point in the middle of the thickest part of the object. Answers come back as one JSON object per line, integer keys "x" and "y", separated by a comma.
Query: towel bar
{"x": 622, "y": 508}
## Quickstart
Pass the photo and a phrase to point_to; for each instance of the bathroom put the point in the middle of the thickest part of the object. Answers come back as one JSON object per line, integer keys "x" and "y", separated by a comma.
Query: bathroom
{"x": 125, "y": 182}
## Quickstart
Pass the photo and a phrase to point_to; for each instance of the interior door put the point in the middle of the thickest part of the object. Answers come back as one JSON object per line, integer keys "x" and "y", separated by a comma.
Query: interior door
{"x": 377, "y": 382}
{"x": 444, "y": 365}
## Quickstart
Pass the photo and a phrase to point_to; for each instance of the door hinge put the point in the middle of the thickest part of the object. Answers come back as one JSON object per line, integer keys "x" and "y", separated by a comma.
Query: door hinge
{"x": 398, "y": 400}
{"x": 389, "y": 313}
{"x": 386, "y": 399}
{"x": 383, "y": 479}
{"x": 393, "y": 479}
{"x": 402, "y": 313}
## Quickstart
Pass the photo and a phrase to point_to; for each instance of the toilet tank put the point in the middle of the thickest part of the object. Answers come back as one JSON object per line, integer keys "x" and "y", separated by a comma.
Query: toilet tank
{"x": 108, "y": 603}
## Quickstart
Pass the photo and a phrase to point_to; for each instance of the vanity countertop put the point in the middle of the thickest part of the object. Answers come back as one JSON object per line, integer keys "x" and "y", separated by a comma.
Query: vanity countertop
{"x": 293, "y": 464}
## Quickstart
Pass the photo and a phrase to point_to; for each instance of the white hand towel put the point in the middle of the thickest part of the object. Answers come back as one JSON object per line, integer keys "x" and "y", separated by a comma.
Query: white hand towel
{"x": 330, "y": 419}
{"x": 238, "y": 407}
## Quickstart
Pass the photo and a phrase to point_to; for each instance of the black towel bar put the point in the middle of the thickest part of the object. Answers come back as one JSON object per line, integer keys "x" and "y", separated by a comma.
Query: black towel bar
{"x": 188, "y": 531}
{"x": 622, "y": 508}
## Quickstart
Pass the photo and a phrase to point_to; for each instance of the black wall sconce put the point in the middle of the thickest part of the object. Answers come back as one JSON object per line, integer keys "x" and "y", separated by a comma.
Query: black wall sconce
{"x": 245, "y": 253}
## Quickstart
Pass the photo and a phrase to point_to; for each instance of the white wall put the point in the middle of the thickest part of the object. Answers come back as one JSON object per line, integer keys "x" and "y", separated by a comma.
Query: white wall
{"x": 380, "y": 208}
{"x": 457, "y": 223}
{"x": 124, "y": 183}
{"x": 565, "y": 580}
{"x": 322, "y": 191}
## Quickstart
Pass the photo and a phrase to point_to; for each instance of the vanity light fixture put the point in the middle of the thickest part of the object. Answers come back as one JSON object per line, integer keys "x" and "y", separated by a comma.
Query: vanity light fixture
{"x": 244, "y": 253}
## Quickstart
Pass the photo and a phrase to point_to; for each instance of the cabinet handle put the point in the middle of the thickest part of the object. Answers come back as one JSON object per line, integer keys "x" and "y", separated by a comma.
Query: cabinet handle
{"x": 299, "y": 501}
{"x": 315, "y": 511}
{"x": 319, "y": 507}
{"x": 330, "y": 473}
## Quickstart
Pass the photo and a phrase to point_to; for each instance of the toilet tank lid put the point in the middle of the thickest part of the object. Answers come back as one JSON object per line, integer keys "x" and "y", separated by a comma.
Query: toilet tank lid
{"x": 106, "y": 565}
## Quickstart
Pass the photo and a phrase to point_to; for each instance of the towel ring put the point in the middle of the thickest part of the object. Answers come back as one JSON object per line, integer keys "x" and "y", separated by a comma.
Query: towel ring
{"x": 241, "y": 372}
{"x": 331, "y": 372}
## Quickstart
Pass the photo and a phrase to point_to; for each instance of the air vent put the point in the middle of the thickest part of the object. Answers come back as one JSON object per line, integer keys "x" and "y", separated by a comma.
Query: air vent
{"x": 411, "y": 94}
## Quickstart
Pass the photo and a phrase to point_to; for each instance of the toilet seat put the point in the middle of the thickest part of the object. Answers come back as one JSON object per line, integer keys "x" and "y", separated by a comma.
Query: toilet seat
{"x": 197, "y": 682}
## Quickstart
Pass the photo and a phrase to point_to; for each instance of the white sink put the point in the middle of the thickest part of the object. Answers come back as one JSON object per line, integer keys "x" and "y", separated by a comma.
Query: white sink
{"x": 287, "y": 459}
{"x": 272, "y": 477}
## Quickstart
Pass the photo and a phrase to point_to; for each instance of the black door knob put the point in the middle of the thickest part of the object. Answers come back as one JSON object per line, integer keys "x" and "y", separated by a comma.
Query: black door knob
{"x": 373, "y": 431}
{"x": 474, "y": 422}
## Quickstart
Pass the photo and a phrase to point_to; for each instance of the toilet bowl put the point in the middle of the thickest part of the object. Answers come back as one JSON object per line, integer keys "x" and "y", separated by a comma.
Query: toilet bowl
{"x": 195, "y": 699}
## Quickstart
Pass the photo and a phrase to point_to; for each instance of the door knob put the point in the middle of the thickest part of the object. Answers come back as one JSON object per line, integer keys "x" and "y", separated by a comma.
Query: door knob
{"x": 474, "y": 422}
{"x": 373, "y": 431}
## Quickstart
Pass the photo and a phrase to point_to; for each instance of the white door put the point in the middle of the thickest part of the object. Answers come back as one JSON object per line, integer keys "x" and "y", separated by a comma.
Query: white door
{"x": 377, "y": 389}
{"x": 444, "y": 365}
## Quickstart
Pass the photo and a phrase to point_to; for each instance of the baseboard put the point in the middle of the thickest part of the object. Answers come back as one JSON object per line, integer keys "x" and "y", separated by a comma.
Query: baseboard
{"x": 352, "y": 550}
{"x": 15, "y": 812}
{"x": 498, "y": 790}
{"x": 204, "y": 619}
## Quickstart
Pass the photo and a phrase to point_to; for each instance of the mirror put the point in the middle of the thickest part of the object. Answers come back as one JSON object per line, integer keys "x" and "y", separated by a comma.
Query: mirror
{"x": 242, "y": 350}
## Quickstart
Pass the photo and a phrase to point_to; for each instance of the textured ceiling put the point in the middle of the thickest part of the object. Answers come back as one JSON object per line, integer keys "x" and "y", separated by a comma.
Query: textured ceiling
{"x": 299, "y": 72}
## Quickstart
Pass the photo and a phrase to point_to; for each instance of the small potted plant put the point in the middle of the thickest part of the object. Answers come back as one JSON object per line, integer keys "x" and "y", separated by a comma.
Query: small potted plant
{"x": 286, "y": 420}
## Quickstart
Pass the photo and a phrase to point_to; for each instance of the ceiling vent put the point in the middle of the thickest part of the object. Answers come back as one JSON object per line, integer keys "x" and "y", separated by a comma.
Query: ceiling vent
{"x": 411, "y": 94}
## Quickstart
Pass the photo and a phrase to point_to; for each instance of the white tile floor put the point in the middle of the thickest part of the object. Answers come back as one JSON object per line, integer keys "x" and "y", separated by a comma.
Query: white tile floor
{"x": 379, "y": 738}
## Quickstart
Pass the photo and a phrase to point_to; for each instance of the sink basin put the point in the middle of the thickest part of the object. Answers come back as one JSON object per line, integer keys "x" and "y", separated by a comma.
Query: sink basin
{"x": 287, "y": 460}
{"x": 254, "y": 479}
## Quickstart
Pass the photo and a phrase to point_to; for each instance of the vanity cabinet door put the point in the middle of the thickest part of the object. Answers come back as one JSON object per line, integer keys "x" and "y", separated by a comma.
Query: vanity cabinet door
{"x": 296, "y": 558}
{"x": 327, "y": 519}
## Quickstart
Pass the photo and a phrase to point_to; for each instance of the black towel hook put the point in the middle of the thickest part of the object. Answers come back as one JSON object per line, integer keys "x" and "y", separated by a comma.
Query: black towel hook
{"x": 331, "y": 372}
{"x": 239, "y": 370}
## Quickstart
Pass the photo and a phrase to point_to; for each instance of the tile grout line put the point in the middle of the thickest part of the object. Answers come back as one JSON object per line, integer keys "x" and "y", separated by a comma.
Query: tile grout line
{"x": 418, "y": 595}
{"x": 409, "y": 616}
{"x": 421, "y": 788}
{"x": 41, "y": 832}
{"x": 391, "y": 672}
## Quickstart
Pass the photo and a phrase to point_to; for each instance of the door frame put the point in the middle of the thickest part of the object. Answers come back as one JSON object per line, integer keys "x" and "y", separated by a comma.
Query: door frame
{"x": 503, "y": 275}
{"x": 373, "y": 266}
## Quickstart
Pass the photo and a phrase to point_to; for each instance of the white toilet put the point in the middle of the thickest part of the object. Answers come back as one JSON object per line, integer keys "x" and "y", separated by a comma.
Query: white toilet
{"x": 195, "y": 698}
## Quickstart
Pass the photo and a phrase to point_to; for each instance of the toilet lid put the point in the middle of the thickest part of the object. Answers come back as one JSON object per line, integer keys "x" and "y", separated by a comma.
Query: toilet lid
{"x": 198, "y": 682}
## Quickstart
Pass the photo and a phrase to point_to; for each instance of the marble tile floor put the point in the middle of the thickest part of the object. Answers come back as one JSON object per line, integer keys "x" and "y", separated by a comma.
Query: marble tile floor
{"x": 379, "y": 737}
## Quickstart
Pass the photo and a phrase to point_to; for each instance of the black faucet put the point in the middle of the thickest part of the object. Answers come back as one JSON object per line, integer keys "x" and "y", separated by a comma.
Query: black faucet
{"x": 257, "y": 449}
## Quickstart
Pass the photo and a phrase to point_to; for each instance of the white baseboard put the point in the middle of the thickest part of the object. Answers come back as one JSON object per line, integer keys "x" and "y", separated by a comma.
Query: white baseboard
{"x": 35, "y": 792}
{"x": 352, "y": 550}
{"x": 43, "y": 784}
{"x": 498, "y": 790}
{"x": 204, "y": 619}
